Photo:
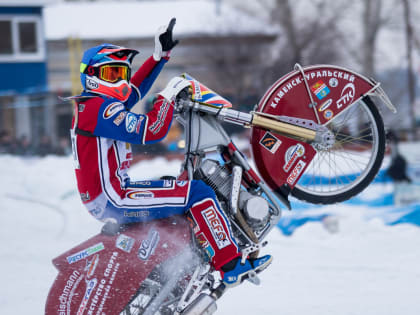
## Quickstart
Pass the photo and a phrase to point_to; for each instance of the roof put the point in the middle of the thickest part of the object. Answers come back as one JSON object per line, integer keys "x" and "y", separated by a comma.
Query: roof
{"x": 111, "y": 20}
{"x": 24, "y": 3}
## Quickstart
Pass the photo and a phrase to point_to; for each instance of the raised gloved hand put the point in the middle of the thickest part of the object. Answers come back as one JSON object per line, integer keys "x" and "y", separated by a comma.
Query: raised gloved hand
{"x": 164, "y": 41}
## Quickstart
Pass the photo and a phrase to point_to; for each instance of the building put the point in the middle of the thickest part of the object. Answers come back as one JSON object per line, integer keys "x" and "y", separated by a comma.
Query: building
{"x": 219, "y": 45}
{"x": 23, "y": 63}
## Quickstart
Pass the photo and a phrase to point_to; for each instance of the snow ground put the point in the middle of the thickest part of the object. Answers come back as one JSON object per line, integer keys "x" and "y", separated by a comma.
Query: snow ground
{"x": 366, "y": 268}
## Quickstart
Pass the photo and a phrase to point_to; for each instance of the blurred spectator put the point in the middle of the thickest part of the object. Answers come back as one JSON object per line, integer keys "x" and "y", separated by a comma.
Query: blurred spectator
{"x": 63, "y": 147}
{"x": 7, "y": 144}
{"x": 398, "y": 168}
{"x": 45, "y": 146}
{"x": 24, "y": 146}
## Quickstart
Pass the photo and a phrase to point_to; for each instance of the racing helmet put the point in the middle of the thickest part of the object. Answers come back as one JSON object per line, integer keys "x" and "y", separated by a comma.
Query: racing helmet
{"x": 106, "y": 70}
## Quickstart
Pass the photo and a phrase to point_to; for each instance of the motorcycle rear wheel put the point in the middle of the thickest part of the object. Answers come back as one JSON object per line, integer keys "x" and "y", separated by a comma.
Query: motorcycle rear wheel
{"x": 344, "y": 170}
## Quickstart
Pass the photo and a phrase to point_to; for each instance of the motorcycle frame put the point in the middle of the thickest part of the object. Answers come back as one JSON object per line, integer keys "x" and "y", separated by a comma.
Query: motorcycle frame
{"x": 203, "y": 134}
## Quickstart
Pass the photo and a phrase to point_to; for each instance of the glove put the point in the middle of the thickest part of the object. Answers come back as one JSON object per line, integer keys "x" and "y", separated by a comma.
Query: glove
{"x": 164, "y": 41}
{"x": 175, "y": 86}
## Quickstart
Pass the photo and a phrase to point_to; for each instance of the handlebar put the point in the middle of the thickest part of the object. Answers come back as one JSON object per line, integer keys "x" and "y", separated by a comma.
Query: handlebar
{"x": 261, "y": 120}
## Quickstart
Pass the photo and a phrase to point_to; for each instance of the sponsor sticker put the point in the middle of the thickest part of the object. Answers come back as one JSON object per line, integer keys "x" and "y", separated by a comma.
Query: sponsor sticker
{"x": 66, "y": 295}
{"x": 320, "y": 89}
{"x": 85, "y": 196}
{"x": 85, "y": 253}
{"x": 296, "y": 172}
{"x": 112, "y": 109}
{"x": 347, "y": 95}
{"x": 325, "y": 105}
{"x": 91, "y": 266}
{"x": 270, "y": 142}
{"x": 292, "y": 154}
{"x": 124, "y": 242}
{"x": 91, "y": 84}
{"x": 143, "y": 194}
{"x": 148, "y": 245}
{"x": 81, "y": 107}
{"x": 130, "y": 122}
{"x": 214, "y": 223}
{"x": 118, "y": 120}
{"x": 90, "y": 285}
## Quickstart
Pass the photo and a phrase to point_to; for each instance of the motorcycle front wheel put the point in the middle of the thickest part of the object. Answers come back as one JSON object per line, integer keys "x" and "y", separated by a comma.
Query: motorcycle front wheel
{"x": 338, "y": 173}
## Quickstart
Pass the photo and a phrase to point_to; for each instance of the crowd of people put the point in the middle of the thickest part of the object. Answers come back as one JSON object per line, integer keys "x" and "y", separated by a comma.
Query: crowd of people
{"x": 24, "y": 147}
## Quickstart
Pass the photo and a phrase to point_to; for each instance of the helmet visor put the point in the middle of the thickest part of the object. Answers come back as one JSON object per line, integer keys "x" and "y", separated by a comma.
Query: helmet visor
{"x": 114, "y": 73}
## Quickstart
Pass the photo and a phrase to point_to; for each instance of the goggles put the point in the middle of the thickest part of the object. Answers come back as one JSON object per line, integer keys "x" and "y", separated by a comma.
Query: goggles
{"x": 110, "y": 73}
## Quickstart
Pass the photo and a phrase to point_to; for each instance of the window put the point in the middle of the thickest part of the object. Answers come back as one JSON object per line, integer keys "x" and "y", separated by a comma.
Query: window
{"x": 21, "y": 38}
{"x": 6, "y": 36}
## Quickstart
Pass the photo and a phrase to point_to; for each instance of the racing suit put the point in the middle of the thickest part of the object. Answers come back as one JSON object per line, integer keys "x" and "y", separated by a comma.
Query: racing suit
{"x": 102, "y": 130}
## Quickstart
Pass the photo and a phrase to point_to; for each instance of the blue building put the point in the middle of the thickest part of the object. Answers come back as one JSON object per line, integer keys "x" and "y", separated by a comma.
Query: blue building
{"x": 23, "y": 65}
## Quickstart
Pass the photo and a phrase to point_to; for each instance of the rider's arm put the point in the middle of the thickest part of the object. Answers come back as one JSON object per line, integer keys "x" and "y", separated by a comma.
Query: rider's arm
{"x": 144, "y": 78}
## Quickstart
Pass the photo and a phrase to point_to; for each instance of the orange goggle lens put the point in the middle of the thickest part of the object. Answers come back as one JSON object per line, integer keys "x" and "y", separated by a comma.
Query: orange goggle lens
{"x": 114, "y": 73}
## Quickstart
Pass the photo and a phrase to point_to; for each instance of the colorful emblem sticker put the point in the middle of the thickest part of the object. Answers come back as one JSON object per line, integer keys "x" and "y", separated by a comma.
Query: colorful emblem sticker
{"x": 320, "y": 89}
{"x": 328, "y": 114}
{"x": 204, "y": 243}
{"x": 333, "y": 82}
{"x": 124, "y": 243}
{"x": 270, "y": 142}
{"x": 291, "y": 156}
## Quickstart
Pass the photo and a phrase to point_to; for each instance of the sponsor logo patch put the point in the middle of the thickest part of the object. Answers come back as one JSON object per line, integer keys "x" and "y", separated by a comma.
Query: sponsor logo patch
{"x": 112, "y": 109}
{"x": 291, "y": 156}
{"x": 148, "y": 245}
{"x": 320, "y": 89}
{"x": 214, "y": 223}
{"x": 347, "y": 95}
{"x": 85, "y": 253}
{"x": 130, "y": 122}
{"x": 140, "y": 195}
{"x": 124, "y": 243}
{"x": 296, "y": 172}
{"x": 270, "y": 142}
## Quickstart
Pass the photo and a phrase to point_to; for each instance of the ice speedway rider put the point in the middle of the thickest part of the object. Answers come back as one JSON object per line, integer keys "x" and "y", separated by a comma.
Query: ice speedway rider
{"x": 103, "y": 129}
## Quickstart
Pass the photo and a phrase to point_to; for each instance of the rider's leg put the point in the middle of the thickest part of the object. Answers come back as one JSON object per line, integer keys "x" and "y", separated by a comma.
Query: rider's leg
{"x": 213, "y": 232}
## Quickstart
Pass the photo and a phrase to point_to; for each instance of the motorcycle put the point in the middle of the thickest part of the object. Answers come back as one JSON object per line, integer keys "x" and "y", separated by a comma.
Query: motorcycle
{"x": 316, "y": 134}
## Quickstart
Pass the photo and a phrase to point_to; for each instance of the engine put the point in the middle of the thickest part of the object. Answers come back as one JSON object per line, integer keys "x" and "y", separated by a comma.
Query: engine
{"x": 217, "y": 177}
{"x": 254, "y": 208}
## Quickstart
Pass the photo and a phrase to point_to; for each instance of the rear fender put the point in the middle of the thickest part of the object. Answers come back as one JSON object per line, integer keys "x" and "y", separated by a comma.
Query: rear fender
{"x": 102, "y": 274}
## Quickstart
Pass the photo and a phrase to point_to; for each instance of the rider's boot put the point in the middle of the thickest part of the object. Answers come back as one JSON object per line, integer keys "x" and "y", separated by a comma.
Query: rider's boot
{"x": 235, "y": 272}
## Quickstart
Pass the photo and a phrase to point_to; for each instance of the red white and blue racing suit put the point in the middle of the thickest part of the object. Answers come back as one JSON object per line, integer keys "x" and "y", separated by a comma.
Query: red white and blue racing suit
{"x": 102, "y": 130}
